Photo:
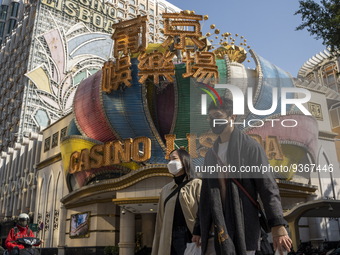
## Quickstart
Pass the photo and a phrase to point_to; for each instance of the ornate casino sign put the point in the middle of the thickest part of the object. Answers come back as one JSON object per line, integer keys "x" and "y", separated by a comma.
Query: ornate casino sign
{"x": 147, "y": 101}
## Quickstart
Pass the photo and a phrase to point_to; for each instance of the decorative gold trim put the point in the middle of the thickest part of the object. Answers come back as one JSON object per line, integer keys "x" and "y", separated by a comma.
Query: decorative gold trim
{"x": 49, "y": 161}
{"x": 288, "y": 185}
{"x": 125, "y": 181}
{"x": 135, "y": 200}
{"x": 99, "y": 231}
{"x": 105, "y": 231}
{"x": 327, "y": 135}
{"x": 294, "y": 195}
{"x": 94, "y": 201}
{"x": 316, "y": 110}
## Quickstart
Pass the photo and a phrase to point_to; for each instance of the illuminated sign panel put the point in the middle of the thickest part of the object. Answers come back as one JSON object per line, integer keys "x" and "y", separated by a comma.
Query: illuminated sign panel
{"x": 111, "y": 153}
{"x": 139, "y": 150}
{"x": 95, "y": 12}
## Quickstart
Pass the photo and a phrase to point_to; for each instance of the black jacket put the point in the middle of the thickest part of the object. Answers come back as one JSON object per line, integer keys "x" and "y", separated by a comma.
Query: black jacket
{"x": 240, "y": 220}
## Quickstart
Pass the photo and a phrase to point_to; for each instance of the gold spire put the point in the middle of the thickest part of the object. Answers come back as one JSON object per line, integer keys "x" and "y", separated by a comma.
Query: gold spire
{"x": 235, "y": 53}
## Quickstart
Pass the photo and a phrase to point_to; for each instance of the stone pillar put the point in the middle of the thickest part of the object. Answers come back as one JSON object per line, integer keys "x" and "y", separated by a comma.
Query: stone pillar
{"x": 62, "y": 230}
{"x": 294, "y": 233}
{"x": 127, "y": 233}
{"x": 148, "y": 228}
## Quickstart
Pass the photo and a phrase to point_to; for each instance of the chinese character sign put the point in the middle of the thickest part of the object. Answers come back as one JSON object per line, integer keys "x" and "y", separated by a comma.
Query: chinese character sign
{"x": 156, "y": 64}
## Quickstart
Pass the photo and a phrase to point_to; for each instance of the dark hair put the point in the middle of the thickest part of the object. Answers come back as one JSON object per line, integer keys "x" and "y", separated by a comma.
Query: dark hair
{"x": 226, "y": 106}
{"x": 185, "y": 159}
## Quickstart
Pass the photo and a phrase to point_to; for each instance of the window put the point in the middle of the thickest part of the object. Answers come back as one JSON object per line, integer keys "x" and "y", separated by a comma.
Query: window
{"x": 112, "y": 12}
{"x": 120, "y": 5}
{"x": 152, "y": 12}
{"x": 47, "y": 144}
{"x": 329, "y": 73}
{"x": 120, "y": 14}
{"x": 142, "y": 7}
{"x": 15, "y": 9}
{"x": 132, "y": 10}
{"x": 55, "y": 139}
{"x": 310, "y": 77}
{"x": 12, "y": 23}
{"x": 132, "y": 2}
{"x": 63, "y": 133}
{"x": 3, "y": 12}
{"x": 2, "y": 28}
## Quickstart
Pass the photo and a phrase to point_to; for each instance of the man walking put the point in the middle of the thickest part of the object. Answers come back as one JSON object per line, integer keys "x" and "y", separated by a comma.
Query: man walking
{"x": 228, "y": 221}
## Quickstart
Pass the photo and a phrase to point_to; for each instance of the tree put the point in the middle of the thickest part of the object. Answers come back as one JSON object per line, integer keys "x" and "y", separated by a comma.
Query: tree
{"x": 322, "y": 20}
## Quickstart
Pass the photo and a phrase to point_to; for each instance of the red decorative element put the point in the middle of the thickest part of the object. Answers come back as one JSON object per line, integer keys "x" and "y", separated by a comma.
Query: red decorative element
{"x": 89, "y": 113}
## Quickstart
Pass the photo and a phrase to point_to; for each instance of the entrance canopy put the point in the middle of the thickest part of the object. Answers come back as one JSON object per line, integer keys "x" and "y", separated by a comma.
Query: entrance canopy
{"x": 317, "y": 208}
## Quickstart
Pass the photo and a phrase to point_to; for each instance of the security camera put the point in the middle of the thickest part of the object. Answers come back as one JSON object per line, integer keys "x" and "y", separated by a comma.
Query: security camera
{"x": 123, "y": 211}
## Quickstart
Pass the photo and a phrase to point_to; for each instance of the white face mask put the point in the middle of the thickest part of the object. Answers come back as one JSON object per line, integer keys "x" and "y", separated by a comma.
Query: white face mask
{"x": 174, "y": 166}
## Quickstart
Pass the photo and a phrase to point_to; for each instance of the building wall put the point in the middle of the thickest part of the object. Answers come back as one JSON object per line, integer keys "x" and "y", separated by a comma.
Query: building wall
{"x": 51, "y": 185}
{"x": 104, "y": 225}
{"x": 18, "y": 179}
{"x": 52, "y": 216}
{"x": 50, "y": 189}
{"x": 327, "y": 177}
{"x": 11, "y": 12}
{"x": 12, "y": 80}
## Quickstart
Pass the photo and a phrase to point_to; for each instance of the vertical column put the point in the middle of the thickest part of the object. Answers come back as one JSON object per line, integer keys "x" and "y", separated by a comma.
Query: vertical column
{"x": 11, "y": 182}
{"x": 25, "y": 190}
{"x": 18, "y": 174}
{"x": 3, "y": 194}
{"x": 148, "y": 228}
{"x": 62, "y": 230}
{"x": 127, "y": 233}
{"x": 294, "y": 232}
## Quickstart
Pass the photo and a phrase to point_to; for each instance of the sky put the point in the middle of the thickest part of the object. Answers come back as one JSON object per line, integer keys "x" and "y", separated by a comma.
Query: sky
{"x": 268, "y": 25}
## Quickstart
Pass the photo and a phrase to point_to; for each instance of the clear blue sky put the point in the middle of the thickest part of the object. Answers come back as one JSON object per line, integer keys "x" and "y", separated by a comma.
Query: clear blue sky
{"x": 268, "y": 25}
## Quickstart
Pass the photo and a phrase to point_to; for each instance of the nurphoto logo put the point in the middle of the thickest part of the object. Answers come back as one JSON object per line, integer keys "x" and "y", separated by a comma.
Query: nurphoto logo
{"x": 239, "y": 105}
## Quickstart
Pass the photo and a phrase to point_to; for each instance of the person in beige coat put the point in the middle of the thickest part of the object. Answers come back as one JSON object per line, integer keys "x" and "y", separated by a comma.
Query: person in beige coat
{"x": 177, "y": 207}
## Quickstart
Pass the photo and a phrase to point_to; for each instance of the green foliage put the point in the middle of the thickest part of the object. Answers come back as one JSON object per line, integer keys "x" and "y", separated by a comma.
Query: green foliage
{"x": 111, "y": 250}
{"x": 322, "y": 20}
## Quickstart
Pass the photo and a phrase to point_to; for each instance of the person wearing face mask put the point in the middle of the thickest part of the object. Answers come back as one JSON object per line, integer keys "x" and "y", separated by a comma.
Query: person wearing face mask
{"x": 19, "y": 231}
{"x": 177, "y": 207}
{"x": 228, "y": 222}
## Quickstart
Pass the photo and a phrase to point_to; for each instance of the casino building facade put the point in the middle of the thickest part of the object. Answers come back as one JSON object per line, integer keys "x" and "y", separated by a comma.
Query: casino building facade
{"x": 115, "y": 183}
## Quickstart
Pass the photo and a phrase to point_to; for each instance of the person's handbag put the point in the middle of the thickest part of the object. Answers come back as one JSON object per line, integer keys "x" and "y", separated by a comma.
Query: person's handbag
{"x": 262, "y": 217}
{"x": 192, "y": 249}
